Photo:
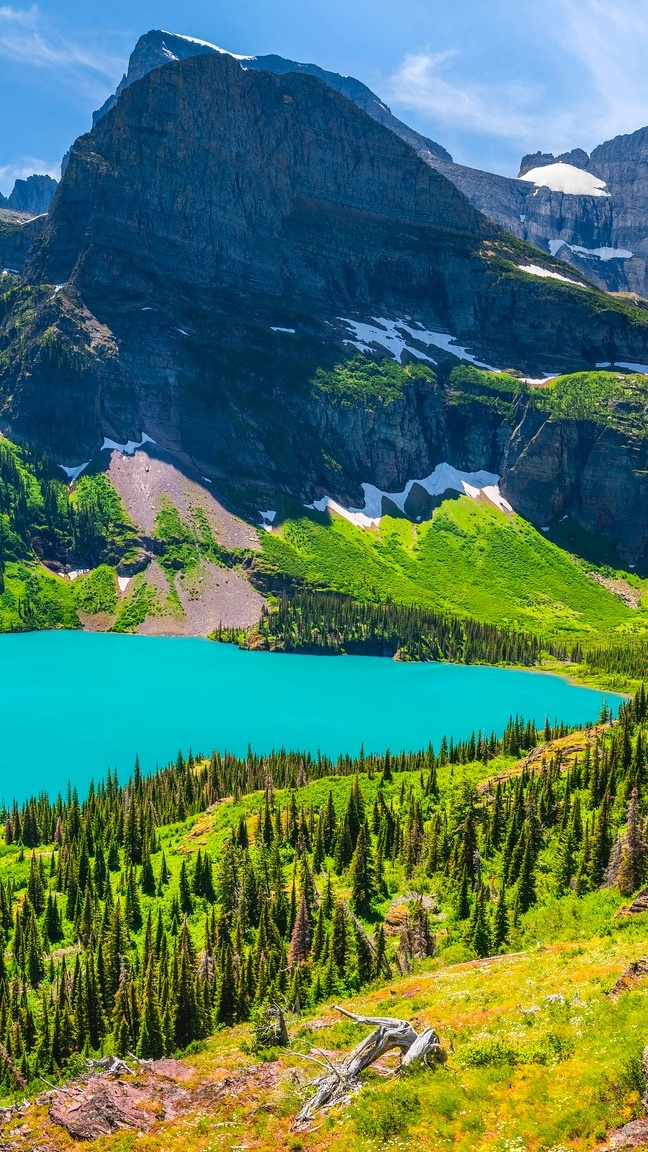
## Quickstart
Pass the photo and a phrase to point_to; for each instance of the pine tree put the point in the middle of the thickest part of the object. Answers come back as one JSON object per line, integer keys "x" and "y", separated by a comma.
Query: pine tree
{"x": 632, "y": 866}
{"x": 478, "y": 935}
{"x": 363, "y": 884}
{"x": 300, "y": 939}
{"x": 381, "y": 964}
{"x": 463, "y": 900}
{"x": 339, "y": 937}
{"x": 227, "y": 1000}
{"x": 500, "y": 920}
{"x": 184, "y": 892}
{"x": 150, "y": 1045}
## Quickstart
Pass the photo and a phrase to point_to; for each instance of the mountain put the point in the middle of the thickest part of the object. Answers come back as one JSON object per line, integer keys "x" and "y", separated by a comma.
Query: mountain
{"x": 33, "y": 195}
{"x": 239, "y": 258}
{"x": 588, "y": 209}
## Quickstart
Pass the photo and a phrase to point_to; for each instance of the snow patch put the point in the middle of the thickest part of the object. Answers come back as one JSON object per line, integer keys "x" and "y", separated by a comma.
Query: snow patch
{"x": 536, "y": 270}
{"x": 389, "y": 334}
{"x": 206, "y": 479}
{"x": 182, "y": 331}
{"x": 268, "y": 519}
{"x": 204, "y": 44}
{"x": 556, "y": 245}
{"x": 566, "y": 178}
{"x": 590, "y": 253}
{"x": 129, "y": 447}
{"x": 123, "y": 582}
{"x": 603, "y": 253}
{"x": 445, "y": 478}
{"x": 629, "y": 365}
{"x": 291, "y": 331}
{"x": 148, "y": 309}
{"x": 74, "y": 471}
{"x": 77, "y": 572}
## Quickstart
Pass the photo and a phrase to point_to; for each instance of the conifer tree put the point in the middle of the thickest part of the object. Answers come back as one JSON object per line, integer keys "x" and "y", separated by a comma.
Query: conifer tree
{"x": 632, "y": 865}
{"x": 150, "y": 1045}
{"x": 363, "y": 883}
{"x": 500, "y": 920}
{"x": 300, "y": 938}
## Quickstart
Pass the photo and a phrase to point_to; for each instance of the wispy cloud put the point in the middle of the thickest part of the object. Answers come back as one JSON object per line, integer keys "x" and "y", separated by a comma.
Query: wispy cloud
{"x": 27, "y": 38}
{"x": 588, "y": 81}
{"x": 608, "y": 42}
{"x": 507, "y": 108}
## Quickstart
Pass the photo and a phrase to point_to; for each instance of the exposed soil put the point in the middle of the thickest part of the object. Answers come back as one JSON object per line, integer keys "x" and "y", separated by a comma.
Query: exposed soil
{"x": 100, "y": 1105}
{"x": 619, "y": 587}
{"x": 210, "y": 596}
{"x": 150, "y": 475}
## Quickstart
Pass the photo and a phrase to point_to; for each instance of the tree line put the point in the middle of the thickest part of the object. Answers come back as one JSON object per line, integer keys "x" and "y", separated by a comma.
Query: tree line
{"x": 330, "y": 624}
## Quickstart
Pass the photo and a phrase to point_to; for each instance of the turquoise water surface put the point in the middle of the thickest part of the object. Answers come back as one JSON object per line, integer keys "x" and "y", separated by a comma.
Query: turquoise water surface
{"x": 74, "y": 704}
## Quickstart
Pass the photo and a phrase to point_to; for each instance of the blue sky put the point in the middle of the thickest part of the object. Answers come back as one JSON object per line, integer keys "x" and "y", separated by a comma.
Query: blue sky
{"x": 489, "y": 79}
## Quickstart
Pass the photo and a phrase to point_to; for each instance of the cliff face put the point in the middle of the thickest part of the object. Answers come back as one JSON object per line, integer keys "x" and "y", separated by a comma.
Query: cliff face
{"x": 585, "y": 230}
{"x": 156, "y": 48}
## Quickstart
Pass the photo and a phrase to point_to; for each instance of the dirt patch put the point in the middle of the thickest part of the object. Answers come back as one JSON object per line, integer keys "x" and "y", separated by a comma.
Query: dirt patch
{"x": 97, "y": 621}
{"x": 626, "y": 592}
{"x": 207, "y": 597}
{"x": 632, "y": 1135}
{"x": 148, "y": 477}
{"x": 162, "y": 1090}
{"x": 635, "y": 972}
{"x": 104, "y": 1106}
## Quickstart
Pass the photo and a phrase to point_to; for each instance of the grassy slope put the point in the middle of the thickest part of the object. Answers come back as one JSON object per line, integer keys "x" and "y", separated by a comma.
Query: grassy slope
{"x": 469, "y": 559}
{"x": 499, "y": 1106}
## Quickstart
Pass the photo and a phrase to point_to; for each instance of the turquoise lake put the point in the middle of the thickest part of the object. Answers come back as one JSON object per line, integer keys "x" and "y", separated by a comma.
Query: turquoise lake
{"x": 74, "y": 704}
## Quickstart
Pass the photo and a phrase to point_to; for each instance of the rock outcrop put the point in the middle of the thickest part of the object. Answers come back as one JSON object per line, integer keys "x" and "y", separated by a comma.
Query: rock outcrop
{"x": 157, "y": 48}
{"x": 33, "y": 195}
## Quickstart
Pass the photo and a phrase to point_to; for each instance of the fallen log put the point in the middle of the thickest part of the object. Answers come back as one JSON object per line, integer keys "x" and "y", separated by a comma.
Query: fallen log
{"x": 338, "y": 1083}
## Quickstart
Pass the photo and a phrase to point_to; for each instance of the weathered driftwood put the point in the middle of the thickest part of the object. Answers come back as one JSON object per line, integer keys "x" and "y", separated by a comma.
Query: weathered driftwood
{"x": 337, "y": 1084}
{"x": 110, "y": 1066}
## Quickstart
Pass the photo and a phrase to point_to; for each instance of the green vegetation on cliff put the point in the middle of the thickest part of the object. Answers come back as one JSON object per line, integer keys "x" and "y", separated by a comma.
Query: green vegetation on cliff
{"x": 468, "y": 560}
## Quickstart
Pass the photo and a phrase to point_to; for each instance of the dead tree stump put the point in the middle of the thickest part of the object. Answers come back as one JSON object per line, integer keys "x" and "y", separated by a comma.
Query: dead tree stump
{"x": 337, "y": 1084}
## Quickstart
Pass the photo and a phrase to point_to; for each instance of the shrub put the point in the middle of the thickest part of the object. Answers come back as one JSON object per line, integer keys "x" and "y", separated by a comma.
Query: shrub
{"x": 381, "y": 1113}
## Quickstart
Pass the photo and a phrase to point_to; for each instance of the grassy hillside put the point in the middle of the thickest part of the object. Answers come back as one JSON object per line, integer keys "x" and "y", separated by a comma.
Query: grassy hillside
{"x": 162, "y": 919}
{"x": 469, "y": 560}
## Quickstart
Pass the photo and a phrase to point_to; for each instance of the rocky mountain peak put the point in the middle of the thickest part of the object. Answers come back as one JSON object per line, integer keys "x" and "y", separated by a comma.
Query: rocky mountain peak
{"x": 157, "y": 48}
{"x": 33, "y": 195}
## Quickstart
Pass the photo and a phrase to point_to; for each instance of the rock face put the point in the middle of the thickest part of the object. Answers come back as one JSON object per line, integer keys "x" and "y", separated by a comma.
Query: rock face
{"x": 33, "y": 195}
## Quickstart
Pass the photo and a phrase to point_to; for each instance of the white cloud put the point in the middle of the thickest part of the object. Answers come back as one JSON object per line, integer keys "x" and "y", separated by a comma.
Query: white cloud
{"x": 609, "y": 44}
{"x": 26, "y": 38}
{"x": 507, "y": 108}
